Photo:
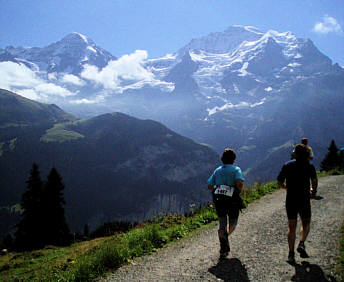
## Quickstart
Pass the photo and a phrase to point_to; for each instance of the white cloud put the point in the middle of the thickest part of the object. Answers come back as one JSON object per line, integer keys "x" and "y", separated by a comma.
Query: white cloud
{"x": 17, "y": 75}
{"x": 98, "y": 98}
{"x": 83, "y": 101}
{"x": 48, "y": 89}
{"x": 329, "y": 24}
{"x": 22, "y": 80}
{"x": 52, "y": 76}
{"x": 44, "y": 92}
{"x": 227, "y": 106}
{"x": 124, "y": 73}
{"x": 241, "y": 105}
{"x": 72, "y": 79}
{"x": 29, "y": 93}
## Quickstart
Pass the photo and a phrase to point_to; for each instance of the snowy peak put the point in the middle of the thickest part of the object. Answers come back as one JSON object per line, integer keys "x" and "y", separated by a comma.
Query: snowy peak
{"x": 312, "y": 56}
{"x": 263, "y": 53}
{"x": 68, "y": 55}
{"x": 74, "y": 51}
{"x": 76, "y": 41}
{"x": 224, "y": 42}
{"x": 245, "y": 62}
{"x": 280, "y": 37}
{"x": 238, "y": 30}
{"x": 248, "y": 28}
{"x": 239, "y": 63}
{"x": 76, "y": 37}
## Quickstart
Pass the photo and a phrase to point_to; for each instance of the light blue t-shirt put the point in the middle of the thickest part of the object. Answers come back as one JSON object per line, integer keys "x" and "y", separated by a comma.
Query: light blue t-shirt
{"x": 225, "y": 175}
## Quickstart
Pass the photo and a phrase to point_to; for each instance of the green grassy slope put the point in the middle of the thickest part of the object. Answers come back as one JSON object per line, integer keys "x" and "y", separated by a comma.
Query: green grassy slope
{"x": 87, "y": 260}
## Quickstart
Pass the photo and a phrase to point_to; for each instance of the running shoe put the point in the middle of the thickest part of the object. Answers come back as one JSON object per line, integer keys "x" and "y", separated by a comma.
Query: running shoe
{"x": 301, "y": 248}
{"x": 224, "y": 245}
{"x": 291, "y": 257}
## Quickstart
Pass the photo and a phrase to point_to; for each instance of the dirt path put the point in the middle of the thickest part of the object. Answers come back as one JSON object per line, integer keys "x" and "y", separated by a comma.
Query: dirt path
{"x": 258, "y": 246}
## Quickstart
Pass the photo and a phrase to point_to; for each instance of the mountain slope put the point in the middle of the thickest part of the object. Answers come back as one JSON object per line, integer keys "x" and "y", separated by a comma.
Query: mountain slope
{"x": 19, "y": 110}
{"x": 115, "y": 167}
{"x": 257, "y": 92}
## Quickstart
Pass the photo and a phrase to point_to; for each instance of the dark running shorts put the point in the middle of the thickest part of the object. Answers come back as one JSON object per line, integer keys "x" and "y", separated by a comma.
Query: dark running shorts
{"x": 303, "y": 209}
{"x": 224, "y": 209}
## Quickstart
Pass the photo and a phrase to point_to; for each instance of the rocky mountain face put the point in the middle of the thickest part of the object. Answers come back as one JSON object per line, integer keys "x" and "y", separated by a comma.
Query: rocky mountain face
{"x": 114, "y": 166}
{"x": 257, "y": 92}
{"x": 65, "y": 56}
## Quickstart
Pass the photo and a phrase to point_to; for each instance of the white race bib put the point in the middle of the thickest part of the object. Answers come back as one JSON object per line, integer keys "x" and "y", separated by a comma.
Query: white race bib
{"x": 224, "y": 190}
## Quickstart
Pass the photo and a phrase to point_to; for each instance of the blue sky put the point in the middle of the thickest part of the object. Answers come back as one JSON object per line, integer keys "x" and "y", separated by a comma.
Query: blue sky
{"x": 164, "y": 26}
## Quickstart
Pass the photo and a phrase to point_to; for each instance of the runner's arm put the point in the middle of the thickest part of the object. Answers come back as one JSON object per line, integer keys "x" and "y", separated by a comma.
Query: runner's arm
{"x": 282, "y": 177}
{"x": 210, "y": 187}
{"x": 239, "y": 184}
{"x": 314, "y": 184}
{"x": 314, "y": 179}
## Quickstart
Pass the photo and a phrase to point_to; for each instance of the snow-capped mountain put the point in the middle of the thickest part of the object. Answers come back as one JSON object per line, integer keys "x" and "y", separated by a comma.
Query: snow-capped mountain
{"x": 224, "y": 42}
{"x": 68, "y": 55}
{"x": 245, "y": 61}
{"x": 229, "y": 88}
{"x": 241, "y": 61}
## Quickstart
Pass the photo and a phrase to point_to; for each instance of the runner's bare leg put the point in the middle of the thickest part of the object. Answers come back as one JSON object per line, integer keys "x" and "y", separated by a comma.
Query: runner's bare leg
{"x": 305, "y": 227}
{"x": 230, "y": 229}
{"x": 292, "y": 223}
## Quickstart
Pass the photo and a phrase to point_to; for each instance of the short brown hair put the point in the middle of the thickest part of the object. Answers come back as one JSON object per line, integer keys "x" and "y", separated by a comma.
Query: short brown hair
{"x": 228, "y": 156}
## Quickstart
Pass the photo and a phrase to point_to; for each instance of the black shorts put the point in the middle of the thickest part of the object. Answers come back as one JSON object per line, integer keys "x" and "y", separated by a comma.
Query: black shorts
{"x": 303, "y": 208}
{"x": 225, "y": 206}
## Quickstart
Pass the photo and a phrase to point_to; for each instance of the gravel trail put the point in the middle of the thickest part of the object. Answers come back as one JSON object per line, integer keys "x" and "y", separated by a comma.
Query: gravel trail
{"x": 259, "y": 246}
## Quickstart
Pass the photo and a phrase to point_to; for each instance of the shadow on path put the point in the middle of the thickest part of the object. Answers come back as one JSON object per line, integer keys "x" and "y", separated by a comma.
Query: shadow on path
{"x": 310, "y": 272}
{"x": 229, "y": 270}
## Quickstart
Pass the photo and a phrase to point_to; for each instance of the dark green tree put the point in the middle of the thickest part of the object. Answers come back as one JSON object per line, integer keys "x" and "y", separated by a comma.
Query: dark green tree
{"x": 43, "y": 219}
{"x": 56, "y": 230}
{"x": 29, "y": 230}
{"x": 331, "y": 160}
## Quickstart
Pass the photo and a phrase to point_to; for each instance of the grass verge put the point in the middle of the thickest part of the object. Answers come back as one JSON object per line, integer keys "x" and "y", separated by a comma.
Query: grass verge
{"x": 88, "y": 260}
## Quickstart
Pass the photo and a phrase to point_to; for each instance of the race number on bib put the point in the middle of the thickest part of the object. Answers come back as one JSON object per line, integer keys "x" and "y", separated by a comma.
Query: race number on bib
{"x": 224, "y": 190}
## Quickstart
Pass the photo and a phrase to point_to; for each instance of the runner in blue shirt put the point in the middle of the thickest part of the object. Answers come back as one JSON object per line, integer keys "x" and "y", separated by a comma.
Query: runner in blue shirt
{"x": 226, "y": 183}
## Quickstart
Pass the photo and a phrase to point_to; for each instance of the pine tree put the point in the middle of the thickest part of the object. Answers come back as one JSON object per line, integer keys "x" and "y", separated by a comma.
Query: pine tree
{"x": 43, "y": 219}
{"x": 331, "y": 159}
{"x": 56, "y": 229}
{"x": 28, "y": 235}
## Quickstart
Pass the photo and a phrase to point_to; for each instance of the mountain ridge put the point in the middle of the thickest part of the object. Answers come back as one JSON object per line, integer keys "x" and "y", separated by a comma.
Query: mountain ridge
{"x": 18, "y": 109}
{"x": 228, "y": 85}
{"x": 114, "y": 166}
